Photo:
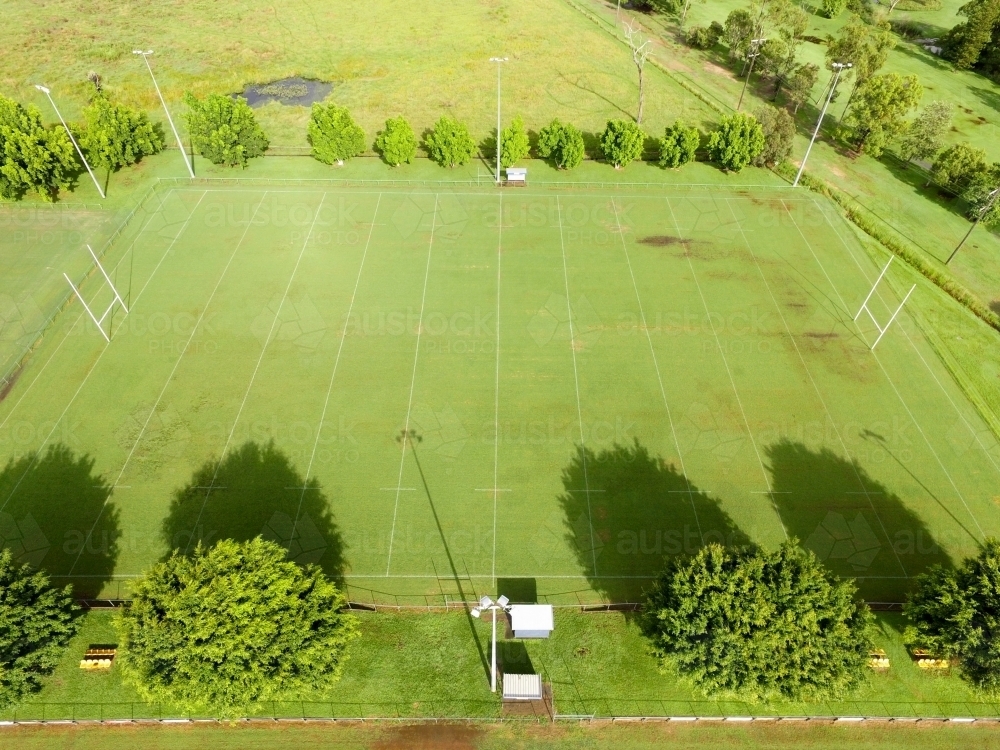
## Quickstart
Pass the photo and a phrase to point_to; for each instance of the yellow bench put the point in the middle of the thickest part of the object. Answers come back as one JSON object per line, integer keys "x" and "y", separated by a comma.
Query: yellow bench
{"x": 98, "y": 657}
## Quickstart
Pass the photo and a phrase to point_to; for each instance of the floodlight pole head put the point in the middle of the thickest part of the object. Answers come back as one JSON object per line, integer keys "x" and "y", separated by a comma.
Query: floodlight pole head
{"x": 485, "y": 602}
{"x": 503, "y": 601}
{"x": 475, "y": 612}
{"x": 142, "y": 52}
{"x": 42, "y": 89}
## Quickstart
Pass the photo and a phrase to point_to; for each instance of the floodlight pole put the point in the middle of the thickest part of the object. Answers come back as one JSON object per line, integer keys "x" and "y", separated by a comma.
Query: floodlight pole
{"x": 752, "y": 54}
{"x": 48, "y": 95}
{"x": 499, "y": 61}
{"x": 840, "y": 67}
{"x": 500, "y": 604}
{"x": 144, "y": 54}
{"x": 990, "y": 200}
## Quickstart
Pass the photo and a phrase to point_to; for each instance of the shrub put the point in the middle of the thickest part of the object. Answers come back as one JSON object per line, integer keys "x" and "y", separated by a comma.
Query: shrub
{"x": 704, "y": 37}
{"x": 450, "y": 144}
{"x": 622, "y": 142}
{"x": 232, "y": 626}
{"x": 397, "y": 144}
{"x": 514, "y": 143}
{"x": 779, "y": 132}
{"x": 737, "y": 143}
{"x": 117, "y": 136}
{"x": 955, "y": 615}
{"x": 333, "y": 134}
{"x": 36, "y": 623}
{"x": 981, "y": 204}
{"x": 957, "y": 166}
{"x": 760, "y": 625}
{"x": 32, "y": 157}
{"x": 224, "y": 130}
{"x": 563, "y": 143}
{"x": 833, "y": 8}
{"x": 679, "y": 145}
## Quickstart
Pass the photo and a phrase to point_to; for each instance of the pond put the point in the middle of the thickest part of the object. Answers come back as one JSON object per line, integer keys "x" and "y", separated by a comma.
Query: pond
{"x": 291, "y": 91}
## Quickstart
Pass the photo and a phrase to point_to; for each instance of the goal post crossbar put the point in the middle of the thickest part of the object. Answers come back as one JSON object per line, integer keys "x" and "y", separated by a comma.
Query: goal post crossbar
{"x": 865, "y": 309}
{"x": 99, "y": 322}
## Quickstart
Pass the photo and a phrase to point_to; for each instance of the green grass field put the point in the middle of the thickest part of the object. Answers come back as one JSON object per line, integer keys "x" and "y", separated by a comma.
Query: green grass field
{"x": 592, "y": 379}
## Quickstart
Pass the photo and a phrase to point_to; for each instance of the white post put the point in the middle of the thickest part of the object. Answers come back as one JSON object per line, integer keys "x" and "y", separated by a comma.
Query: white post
{"x": 498, "y": 61}
{"x": 840, "y": 68}
{"x": 87, "y": 308}
{"x": 874, "y": 287}
{"x": 889, "y": 324}
{"x": 70, "y": 134}
{"x": 108, "y": 279}
{"x": 180, "y": 144}
{"x": 493, "y": 673}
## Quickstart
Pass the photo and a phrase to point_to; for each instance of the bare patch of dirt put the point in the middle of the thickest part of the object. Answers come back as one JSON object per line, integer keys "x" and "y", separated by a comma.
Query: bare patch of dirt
{"x": 677, "y": 65}
{"x": 6, "y": 388}
{"x": 663, "y": 240}
{"x": 837, "y": 171}
{"x": 432, "y": 737}
{"x": 718, "y": 70}
{"x": 814, "y": 335}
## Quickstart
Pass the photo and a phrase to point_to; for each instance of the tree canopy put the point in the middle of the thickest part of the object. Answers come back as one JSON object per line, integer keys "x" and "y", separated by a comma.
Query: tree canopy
{"x": 561, "y": 142}
{"x": 738, "y": 141}
{"x": 36, "y": 623}
{"x": 116, "y": 135}
{"x": 514, "y": 143}
{"x": 622, "y": 142}
{"x": 231, "y": 626}
{"x": 679, "y": 145}
{"x": 779, "y": 132}
{"x": 922, "y": 140}
{"x": 33, "y": 158}
{"x": 878, "y": 114}
{"x": 396, "y": 142}
{"x": 956, "y": 166}
{"x": 760, "y": 625}
{"x": 449, "y": 143}
{"x": 956, "y": 614}
{"x": 967, "y": 42}
{"x": 224, "y": 130}
{"x": 334, "y": 135}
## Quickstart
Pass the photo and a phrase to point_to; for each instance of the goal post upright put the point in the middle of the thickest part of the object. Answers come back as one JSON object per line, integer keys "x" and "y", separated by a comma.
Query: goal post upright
{"x": 99, "y": 322}
{"x": 864, "y": 306}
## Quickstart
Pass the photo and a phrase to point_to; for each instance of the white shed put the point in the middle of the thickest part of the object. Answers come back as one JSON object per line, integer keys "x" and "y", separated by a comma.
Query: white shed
{"x": 522, "y": 687}
{"x": 532, "y": 620}
{"x": 517, "y": 175}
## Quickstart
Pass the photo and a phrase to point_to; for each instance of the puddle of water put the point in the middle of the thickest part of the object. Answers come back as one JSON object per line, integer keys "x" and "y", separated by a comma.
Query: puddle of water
{"x": 296, "y": 91}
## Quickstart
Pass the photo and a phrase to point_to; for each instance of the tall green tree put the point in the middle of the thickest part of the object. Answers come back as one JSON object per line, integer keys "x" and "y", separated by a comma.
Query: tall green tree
{"x": 738, "y": 31}
{"x": 779, "y": 132}
{"x": 396, "y": 142}
{"x": 333, "y": 134}
{"x": 514, "y": 143}
{"x": 561, "y": 142}
{"x": 865, "y": 46}
{"x": 956, "y": 166}
{"x": 679, "y": 145}
{"x": 449, "y": 143}
{"x": 965, "y": 43}
{"x": 923, "y": 138}
{"x": 738, "y": 141}
{"x": 983, "y": 204}
{"x": 833, "y": 8}
{"x": 956, "y": 614}
{"x": 799, "y": 84}
{"x": 227, "y": 628}
{"x": 760, "y": 625}
{"x": 224, "y": 130}
{"x": 622, "y": 142}
{"x": 116, "y": 135}
{"x": 879, "y": 112}
{"x": 33, "y": 158}
{"x": 36, "y": 623}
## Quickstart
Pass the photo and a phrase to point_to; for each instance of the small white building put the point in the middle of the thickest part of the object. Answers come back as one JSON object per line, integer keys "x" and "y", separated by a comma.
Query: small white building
{"x": 517, "y": 175}
{"x": 532, "y": 620}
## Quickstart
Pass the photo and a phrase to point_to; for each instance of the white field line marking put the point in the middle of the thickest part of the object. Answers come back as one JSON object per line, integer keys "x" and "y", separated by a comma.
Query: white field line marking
{"x": 812, "y": 380}
{"x": 336, "y": 365}
{"x": 576, "y": 385}
{"x": 159, "y": 398}
{"x": 413, "y": 382}
{"x": 256, "y": 369}
{"x": 916, "y": 424}
{"x": 496, "y": 395}
{"x": 82, "y": 316}
{"x": 729, "y": 372}
{"x": 656, "y": 366}
{"x": 916, "y": 349}
{"x": 76, "y": 393}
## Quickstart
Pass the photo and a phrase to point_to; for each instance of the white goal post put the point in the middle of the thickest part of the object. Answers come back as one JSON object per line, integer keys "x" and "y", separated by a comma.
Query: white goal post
{"x": 865, "y": 308}
{"x": 99, "y": 322}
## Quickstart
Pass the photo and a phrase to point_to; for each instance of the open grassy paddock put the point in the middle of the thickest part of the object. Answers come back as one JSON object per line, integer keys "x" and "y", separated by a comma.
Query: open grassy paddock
{"x": 588, "y": 379}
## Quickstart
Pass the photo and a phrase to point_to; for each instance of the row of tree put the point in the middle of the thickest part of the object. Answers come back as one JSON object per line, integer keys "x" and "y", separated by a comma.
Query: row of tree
{"x": 976, "y": 42}
{"x": 778, "y": 625}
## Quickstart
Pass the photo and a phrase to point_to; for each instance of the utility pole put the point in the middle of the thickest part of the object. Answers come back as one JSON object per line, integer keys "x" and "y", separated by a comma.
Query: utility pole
{"x": 839, "y": 67}
{"x": 752, "y": 54}
{"x": 76, "y": 145}
{"x": 144, "y": 54}
{"x": 990, "y": 200}
{"x": 499, "y": 61}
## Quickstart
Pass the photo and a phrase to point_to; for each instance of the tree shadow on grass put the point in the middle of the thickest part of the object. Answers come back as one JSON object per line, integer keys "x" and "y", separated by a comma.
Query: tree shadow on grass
{"x": 989, "y": 97}
{"x": 626, "y": 511}
{"x": 56, "y": 516}
{"x": 855, "y": 524}
{"x": 256, "y": 491}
